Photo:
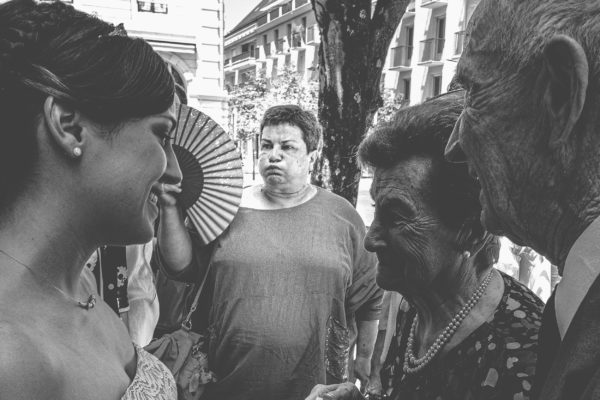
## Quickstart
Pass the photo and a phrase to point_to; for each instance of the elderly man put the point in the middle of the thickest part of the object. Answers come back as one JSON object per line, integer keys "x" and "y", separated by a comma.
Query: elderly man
{"x": 531, "y": 133}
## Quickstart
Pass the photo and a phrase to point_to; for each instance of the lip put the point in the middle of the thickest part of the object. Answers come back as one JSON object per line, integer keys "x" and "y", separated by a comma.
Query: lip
{"x": 272, "y": 169}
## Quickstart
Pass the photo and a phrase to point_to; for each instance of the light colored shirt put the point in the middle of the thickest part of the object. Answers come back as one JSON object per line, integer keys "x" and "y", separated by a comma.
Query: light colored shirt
{"x": 141, "y": 291}
{"x": 582, "y": 267}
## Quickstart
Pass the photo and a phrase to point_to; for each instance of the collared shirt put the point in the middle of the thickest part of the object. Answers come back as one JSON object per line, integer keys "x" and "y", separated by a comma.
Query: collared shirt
{"x": 582, "y": 267}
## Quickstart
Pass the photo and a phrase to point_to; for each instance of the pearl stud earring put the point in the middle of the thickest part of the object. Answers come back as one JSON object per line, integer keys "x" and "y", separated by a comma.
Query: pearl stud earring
{"x": 77, "y": 151}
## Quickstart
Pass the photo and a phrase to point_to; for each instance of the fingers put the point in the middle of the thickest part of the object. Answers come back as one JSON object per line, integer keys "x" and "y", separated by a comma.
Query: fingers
{"x": 318, "y": 391}
{"x": 344, "y": 391}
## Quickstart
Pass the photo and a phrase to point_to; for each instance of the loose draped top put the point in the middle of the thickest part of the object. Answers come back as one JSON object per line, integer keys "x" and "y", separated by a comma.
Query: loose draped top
{"x": 152, "y": 380}
{"x": 496, "y": 361}
{"x": 288, "y": 286}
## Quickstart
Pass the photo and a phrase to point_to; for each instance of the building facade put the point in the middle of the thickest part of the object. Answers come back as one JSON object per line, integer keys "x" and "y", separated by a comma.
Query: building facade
{"x": 420, "y": 64}
{"x": 187, "y": 34}
{"x": 426, "y": 47}
{"x": 274, "y": 35}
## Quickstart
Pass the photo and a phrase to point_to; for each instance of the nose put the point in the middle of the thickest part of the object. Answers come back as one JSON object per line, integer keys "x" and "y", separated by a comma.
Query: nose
{"x": 454, "y": 152}
{"x": 275, "y": 154}
{"x": 172, "y": 173}
{"x": 374, "y": 238}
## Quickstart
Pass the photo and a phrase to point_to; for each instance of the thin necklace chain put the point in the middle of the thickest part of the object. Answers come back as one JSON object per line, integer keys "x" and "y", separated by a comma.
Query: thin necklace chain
{"x": 413, "y": 364}
{"x": 89, "y": 304}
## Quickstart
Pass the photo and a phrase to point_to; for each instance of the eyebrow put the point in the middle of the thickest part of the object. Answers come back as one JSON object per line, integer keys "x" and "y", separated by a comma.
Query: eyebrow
{"x": 401, "y": 203}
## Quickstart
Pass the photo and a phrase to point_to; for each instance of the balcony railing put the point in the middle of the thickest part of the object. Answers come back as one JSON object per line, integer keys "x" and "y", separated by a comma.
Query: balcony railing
{"x": 310, "y": 34}
{"x": 286, "y": 8}
{"x": 459, "y": 42}
{"x": 401, "y": 56}
{"x": 243, "y": 56}
{"x": 301, "y": 3}
{"x": 227, "y": 62}
{"x": 262, "y": 20}
{"x": 274, "y": 14}
{"x": 431, "y": 50}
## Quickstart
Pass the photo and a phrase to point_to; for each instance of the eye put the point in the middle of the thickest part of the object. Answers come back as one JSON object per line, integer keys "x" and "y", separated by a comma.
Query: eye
{"x": 265, "y": 146}
{"x": 165, "y": 140}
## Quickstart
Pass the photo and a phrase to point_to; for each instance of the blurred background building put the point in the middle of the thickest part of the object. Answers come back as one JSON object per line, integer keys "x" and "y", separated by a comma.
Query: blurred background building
{"x": 188, "y": 34}
{"x": 421, "y": 61}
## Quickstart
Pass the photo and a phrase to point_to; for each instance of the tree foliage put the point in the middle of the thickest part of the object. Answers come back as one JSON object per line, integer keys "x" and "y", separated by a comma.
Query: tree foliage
{"x": 249, "y": 101}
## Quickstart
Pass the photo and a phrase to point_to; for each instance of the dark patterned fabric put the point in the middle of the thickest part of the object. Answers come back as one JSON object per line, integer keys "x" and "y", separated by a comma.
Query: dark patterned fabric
{"x": 109, "y": 265}
{"x": 497, "y": 361}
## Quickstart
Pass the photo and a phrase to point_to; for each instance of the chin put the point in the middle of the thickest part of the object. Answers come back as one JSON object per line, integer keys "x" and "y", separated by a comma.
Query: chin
{"x": 388, "y": 281}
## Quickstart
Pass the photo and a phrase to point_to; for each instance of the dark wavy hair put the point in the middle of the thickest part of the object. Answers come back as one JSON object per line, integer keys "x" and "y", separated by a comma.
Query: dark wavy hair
{"x": 423, "y": 130}
{"x": 51, "y": 49}
{"x": 291, "y": 114}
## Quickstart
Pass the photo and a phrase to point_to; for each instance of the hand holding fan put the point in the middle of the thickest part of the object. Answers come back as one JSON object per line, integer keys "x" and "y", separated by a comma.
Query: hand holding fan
{"x": 212, "y": 172}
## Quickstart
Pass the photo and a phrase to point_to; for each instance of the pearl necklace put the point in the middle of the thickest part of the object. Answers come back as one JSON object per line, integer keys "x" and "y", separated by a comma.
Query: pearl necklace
{"x": 89, "y": 304}
{"x": 413, "y": 364}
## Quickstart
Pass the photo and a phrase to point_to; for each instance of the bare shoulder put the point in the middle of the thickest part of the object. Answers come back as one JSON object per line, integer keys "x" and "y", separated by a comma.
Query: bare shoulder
{"x": 26, "y": 368}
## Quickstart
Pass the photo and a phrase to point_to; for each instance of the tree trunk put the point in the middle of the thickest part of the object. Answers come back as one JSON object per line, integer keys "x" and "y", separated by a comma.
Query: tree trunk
{"x": 352, "y": 53}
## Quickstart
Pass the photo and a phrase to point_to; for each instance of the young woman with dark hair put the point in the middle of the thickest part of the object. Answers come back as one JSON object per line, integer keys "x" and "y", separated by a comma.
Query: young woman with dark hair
{"x": 86, "y": 116}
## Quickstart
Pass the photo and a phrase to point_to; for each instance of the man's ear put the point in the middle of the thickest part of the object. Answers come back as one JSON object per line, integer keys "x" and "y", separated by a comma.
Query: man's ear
{"x": 565, "y": 82}
{"x": 64, "y": 126}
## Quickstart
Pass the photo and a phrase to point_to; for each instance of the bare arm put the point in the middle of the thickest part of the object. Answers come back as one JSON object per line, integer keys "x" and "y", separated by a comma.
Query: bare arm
{"x": 365, "y": 342}
{"x": 177, "y": 251}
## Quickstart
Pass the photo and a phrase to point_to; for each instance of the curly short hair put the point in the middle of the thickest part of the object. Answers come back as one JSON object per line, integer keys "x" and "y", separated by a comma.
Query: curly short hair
{"x": 423, "y": 130}
{"x": 291, "y": 114}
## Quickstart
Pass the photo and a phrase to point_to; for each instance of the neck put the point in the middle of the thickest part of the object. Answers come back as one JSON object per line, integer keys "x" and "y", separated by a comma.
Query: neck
{"x": 559, "y": 229}
{"x": 286, "y": 196}
{"x": 437, "y": 305}
{"x": 40, "y": 233}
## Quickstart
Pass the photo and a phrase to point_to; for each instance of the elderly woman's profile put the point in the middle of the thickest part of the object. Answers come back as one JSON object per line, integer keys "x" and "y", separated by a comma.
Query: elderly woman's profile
{"x": 469, "y": 331}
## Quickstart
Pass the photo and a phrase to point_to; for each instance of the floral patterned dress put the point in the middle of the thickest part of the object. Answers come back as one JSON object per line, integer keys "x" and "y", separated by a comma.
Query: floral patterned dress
{"x": 152, "y": 381}
{"x": 497, "y": 361}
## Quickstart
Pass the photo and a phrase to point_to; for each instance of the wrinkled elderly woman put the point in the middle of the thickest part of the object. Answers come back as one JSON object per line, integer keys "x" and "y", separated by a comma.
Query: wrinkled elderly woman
{"x": 470, "y": 331}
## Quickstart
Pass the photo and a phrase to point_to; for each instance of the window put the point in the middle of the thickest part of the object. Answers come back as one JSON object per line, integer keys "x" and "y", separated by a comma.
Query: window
{"x": 410, "y": 32}
{"x": 437, "y": 85}
{"x": 406, "y": 89}
{"x": 440, "y": 34}
{"x": 153, "y": 7}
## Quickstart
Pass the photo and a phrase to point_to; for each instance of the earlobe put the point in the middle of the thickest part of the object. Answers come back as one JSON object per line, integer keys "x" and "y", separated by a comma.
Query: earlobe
{"x": 63, "y": 127}
{"x": 565, "y": 81}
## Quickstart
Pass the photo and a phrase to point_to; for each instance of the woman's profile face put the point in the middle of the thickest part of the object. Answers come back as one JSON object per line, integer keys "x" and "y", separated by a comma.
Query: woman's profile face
{"x": 130, "y": 167}
{"x": 413, "y": 246}
{"x": 284, "y": 160}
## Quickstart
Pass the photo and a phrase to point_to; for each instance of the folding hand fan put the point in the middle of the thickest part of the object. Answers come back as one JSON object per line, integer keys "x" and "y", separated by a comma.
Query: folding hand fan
{"x": 212, "y": 172}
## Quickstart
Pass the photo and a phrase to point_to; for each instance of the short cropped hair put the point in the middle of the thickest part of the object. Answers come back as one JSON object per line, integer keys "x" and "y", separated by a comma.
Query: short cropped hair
{"x": 291, "y": 114}
{"x": 423, "y": 130}
{"x": 515, "y": 34}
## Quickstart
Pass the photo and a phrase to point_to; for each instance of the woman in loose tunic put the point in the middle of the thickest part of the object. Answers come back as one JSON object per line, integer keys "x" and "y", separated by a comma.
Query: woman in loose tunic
{"x": 291, "y": 278}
